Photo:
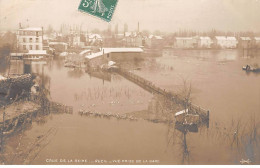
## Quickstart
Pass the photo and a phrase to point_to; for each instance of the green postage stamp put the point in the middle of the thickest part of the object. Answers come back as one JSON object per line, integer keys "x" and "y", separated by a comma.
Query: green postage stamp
{"x": 103, "y": 9}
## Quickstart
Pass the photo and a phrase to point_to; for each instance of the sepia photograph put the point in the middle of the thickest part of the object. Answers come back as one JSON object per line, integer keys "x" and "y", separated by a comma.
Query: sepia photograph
{"x": 129, "y": 82}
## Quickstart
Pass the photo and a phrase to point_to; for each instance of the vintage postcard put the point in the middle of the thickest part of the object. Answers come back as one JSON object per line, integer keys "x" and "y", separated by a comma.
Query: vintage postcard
{"x": 129, "y": 82}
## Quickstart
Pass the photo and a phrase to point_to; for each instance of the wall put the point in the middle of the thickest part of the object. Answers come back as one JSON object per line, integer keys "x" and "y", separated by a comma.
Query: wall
{"x": 29, "y": 40}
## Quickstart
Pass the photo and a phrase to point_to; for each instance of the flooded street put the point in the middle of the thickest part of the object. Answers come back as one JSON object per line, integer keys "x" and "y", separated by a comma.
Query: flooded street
{"x": 218, "y": 84}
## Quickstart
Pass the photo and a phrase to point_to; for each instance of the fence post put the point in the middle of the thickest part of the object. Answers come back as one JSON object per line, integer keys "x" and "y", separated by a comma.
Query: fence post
{"x": 2, "y": 132}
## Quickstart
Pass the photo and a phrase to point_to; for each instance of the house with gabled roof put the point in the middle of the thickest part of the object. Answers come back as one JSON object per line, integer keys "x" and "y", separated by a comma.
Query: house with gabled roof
{"x": 225, "y": 42}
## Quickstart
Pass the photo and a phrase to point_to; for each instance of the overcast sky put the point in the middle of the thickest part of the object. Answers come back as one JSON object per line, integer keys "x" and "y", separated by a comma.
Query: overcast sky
{"x": 164, "y": 15}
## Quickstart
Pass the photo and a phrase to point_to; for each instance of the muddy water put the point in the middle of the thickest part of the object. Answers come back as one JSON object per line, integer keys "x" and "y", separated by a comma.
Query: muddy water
{"x": 218, "y": 84}
{"x": 217, "y": 80}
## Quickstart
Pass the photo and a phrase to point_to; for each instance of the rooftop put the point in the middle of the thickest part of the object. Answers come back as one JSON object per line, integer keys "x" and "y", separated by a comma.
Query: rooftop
{"x": 156, "y": 37}
{"x": 245, "y": 38}
{"x": 96, "y": 36}
{"x": 205, "y": 38}
{"x": 32, "y": 29}
{"x": 220, "y": 37}
{"x": 37, "y": 52}
{"x": 231, "y": 38}
{"x": 55, "y": 43}
{"x": 225, "y": 38}
{"x": 113, "y": 50}
{"x": 183, "y": 38}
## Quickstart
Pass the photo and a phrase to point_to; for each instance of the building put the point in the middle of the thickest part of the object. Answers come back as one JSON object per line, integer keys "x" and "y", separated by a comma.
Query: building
{"x": 30, "y": 39}
{"x": 74, "y": 41}
{"x": 93, "y": 39}
{"x": 256, "y": 42}
{"x": 231, "y": 42}
{"x": 153, "y": 41}
{"x": 30, "y": 44}
{"x": 112, "y": 54}
{"x": 133, "y": 39}
{"x": 35, "y": 55}
{"x": 204, "y": 42}
{"x": 225, "y": 42}
{"x": 244, "y": 42}
{"x": 220, "y": 41}
{"x": 185, "y": 42}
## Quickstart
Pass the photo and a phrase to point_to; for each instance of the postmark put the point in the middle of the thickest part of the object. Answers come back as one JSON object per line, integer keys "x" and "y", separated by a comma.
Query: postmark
{"x": 104, "y": 9}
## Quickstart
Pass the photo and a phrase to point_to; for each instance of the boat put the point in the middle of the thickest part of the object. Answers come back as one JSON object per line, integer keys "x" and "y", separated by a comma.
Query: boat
{"x": 250, "y": 68}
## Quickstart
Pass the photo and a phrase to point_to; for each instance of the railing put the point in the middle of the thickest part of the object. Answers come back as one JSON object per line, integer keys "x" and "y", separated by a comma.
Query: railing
{"x": 149, "y": 86}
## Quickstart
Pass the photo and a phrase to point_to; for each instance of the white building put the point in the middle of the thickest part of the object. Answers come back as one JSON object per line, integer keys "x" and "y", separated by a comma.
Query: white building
{"x": 257, "y": 42}
{"x": 29, "y": 39}
{"x": 92, "y": 39}
{"x": 112, "y": 54}
{"x": 225, "y": 42}
{"x": 133, "y": 39}
{"x": 231, "y": 42}
{"x": 205, "y": 42}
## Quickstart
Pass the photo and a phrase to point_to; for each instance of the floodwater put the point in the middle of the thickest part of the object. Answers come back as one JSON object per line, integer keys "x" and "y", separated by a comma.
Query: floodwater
{"x": 218, "y": 84}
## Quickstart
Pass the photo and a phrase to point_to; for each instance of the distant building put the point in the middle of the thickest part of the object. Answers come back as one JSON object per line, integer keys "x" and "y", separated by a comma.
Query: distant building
{"x": 220, "y": 41}
{"x": 30, "y": 44}
{"x": 225, "y": 42}
{"x": 133, "y": 39}
{"x": 93, "y": 39}
{"x": 45, "y": 43}
{"x": 119, "y": 36}
{"x": 205, "y": 42}
{"x": 75, "y": 41}
{"x": 185, "y": 42}
{"x": 30, "y": 39}
{"x": 112, "y": 54}
{"x": 153, "y": 41}
{"x": 244, "y": 42}
{"x": 231, "y": 42}
{"x": 256, "y": 42}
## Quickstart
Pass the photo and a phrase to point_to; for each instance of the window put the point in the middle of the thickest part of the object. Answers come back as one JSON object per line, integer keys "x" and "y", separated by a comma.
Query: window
{"x": 37, "y": 40}
{"x": 37, "y": 47}
{"x": 30, "y": 40}
{"x": 37, "y": 34}
{"x": 31, "y": 47}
